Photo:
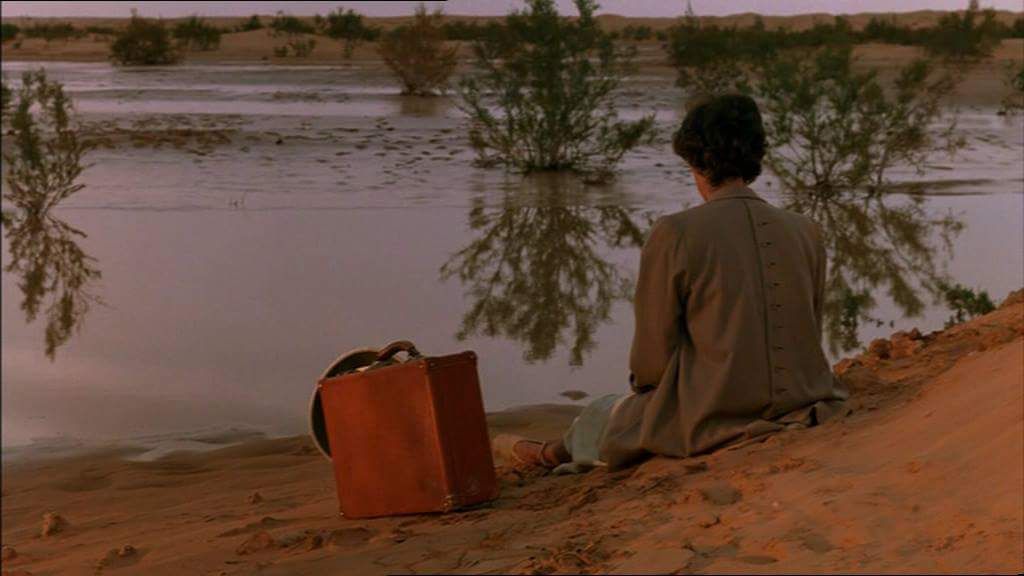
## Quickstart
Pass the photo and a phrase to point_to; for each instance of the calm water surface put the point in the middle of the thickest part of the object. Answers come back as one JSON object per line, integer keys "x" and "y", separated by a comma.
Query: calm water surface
{"x": 334, "y": 214}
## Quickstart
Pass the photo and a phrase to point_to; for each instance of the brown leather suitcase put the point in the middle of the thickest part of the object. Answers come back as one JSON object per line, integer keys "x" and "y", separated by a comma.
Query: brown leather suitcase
{"x": 408, "y": 437}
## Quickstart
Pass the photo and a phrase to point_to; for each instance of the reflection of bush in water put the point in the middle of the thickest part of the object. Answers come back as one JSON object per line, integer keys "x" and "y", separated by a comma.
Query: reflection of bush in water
{"x": 42, "y": 166}
{"x": 55, "y": 274}
{"x": 536, "y": 271}
{"x": 875, "y": 245}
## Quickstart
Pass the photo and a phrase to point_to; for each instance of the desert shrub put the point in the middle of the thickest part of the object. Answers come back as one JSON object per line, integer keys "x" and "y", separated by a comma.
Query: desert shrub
{"x": 253, "y": 23}
{"x": 301, "y": 47}
{"x": 418, "y": 54}
{"x": 5, "y": 99}
{"x": 348, "y": 27}
{"x": 195, "y": 34}
{"x": 708, "y": 59}
{"x": 101, "y": 30}
{"x": 8, "y": 31}
{"x": 286, "y": 24}
{"x": 280, "y": 51}
{"x": 1013, "y": 102}
{"x": 963, "y": 37}
{"x": 1017, "y": 28}
{"x": 52, "y": 31}
{"x": 832, "y": 127}
{"x": 638, "y": 33}
{"x": 542, "y": 94}
{"x": 964, "y": 303}
{"x": 144, "y": 42}
{"x": 465, "y": 31}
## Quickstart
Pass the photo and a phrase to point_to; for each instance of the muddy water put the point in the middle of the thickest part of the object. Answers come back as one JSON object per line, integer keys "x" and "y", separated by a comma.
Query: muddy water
{"x": 252, "y": 222}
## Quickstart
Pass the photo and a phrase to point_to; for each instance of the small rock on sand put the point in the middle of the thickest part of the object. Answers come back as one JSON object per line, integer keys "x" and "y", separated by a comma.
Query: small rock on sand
{"x": 255, "y": 498}
{"x": 706, "y": 520}
{"x": 906, "y": 344}
{"x": 880, "y": 348}
{"x": 8, "y": 553}
{"x": 126, "y": 550}
{"x": 53, "y": 523}
{"x": 257, "y": 543}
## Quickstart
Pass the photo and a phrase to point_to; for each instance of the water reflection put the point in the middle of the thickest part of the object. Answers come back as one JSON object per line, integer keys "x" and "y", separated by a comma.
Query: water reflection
{"x": 55, "y": 274}
{"x": 538, "y": 270}
{"x": 876, "y": 242}
{"x": 42, "y": 164}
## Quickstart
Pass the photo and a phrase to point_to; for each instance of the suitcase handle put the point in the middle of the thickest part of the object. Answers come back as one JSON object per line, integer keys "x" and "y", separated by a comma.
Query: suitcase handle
{"x": 395, "y": 347}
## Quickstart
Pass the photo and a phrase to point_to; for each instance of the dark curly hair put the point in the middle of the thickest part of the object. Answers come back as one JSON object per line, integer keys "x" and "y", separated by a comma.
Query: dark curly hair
{"x": 722, "y": 137}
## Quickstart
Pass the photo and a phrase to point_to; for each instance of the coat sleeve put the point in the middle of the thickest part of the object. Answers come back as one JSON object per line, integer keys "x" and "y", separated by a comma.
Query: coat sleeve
{"x": 657, "y": 306}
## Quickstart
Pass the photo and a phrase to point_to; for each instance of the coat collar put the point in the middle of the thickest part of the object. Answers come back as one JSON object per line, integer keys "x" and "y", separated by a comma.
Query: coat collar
{"x": 735, "y": 191}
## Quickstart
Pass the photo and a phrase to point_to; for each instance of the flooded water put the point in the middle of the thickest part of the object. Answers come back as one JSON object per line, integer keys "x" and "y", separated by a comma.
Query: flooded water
{"x": 250, "y": 223}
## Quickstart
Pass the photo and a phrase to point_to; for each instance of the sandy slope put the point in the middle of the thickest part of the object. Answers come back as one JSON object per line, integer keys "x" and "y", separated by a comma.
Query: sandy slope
{"x": 926, "y": 476}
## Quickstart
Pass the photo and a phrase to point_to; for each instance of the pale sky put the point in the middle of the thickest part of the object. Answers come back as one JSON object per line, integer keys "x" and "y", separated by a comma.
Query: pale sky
{"x": 484, "y": 7}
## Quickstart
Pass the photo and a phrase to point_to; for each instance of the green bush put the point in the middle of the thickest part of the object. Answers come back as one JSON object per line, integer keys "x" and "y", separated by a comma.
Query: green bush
{"x": 418, "y": 54}
{"x": 8, "y": 31}
{"x": 541, "y": 97}
{"x": 5, "y": 99}
{"x": 965, "y": 303}
{"x": 101, "y": 30}
{"x": 253, "y": 23}
{"x": 348, "y": 26}
{"x": 195, "y": 34}
{"x": 52, "y": 31}
{"x": 830, "y": 127}
{"x": 144, "y": 42}
{"x": 286, "y": 24}
{"x": 1013, "y": 102}
{"x": 964, "y": 37}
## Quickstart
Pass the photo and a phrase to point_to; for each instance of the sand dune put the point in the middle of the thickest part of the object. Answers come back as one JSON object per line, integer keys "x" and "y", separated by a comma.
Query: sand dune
{"x": 926, "y": 476}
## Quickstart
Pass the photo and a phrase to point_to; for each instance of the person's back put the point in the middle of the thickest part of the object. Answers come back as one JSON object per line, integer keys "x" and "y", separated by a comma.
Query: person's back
{"x": 728, "y": 309}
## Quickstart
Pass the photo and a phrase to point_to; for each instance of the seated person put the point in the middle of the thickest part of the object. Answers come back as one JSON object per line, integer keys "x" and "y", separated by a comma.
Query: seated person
{"x": 728, "y": 307}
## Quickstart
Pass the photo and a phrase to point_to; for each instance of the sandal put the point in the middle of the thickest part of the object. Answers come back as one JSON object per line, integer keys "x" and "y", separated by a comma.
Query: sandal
{"x": 520, "y": 450}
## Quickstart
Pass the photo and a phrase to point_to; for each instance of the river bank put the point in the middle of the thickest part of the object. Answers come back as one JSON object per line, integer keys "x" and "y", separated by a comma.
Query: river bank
{"x": 924, "y": 476}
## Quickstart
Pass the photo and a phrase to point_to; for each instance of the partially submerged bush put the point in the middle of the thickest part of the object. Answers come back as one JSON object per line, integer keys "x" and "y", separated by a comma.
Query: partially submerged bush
{"x": 195, "y": 34}
{"x": 144, "y": 42}
{"x": 42, "y": 167}
{"x": 542, "y": 94}
{"x": 832, "y": 127}
{"x": 348, "y": 27}
{"x": 418, "y": 54}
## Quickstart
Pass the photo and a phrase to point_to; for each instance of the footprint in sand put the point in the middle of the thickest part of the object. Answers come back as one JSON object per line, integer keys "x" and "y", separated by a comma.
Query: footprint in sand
{"x": 721, "y": 494}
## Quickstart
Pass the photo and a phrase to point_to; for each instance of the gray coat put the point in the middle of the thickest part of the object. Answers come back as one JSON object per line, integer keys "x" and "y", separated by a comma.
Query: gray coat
{"x": 727, "y": 346}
